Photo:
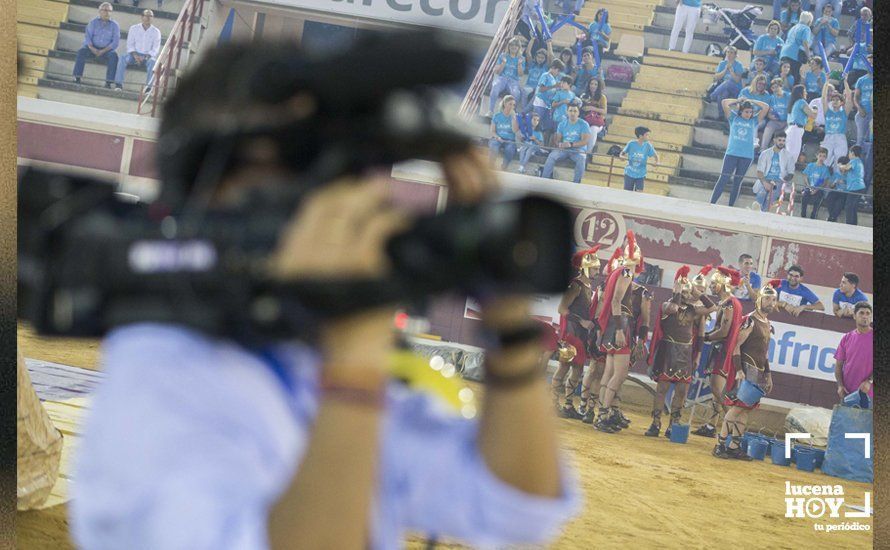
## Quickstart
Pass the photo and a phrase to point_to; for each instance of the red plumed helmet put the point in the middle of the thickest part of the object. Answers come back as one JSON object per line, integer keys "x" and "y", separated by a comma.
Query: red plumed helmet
{"x": 775, "y": 283}
{"x": 705, "y": 270}
{"x": 735, "y": 278}
{"x": 682, "y": 273}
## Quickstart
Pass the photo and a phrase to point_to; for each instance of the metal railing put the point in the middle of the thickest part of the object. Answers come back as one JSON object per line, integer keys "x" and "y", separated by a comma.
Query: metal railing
{"x": 170, "y": 57}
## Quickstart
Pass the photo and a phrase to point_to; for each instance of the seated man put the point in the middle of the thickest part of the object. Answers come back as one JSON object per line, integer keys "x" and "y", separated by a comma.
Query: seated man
{"x": 143, "y": 45}
{"x": 571, "y": 141}
{"x": 100, "y": 40}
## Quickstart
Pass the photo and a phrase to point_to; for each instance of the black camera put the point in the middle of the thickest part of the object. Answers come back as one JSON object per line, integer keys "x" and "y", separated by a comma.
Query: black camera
{"x": 91, "y": 258}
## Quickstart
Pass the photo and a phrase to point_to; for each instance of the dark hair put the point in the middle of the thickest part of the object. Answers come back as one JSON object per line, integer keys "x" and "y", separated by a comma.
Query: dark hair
{"x": 566, "y": 79}
{"x": 745, "y": 104}
{"x": 598, "y": 94}
{"x": 856, "y": 150}
{"x": 587, "y": 49}
{"x": 797, "y": 92}
{"x": 817, "y": 60}
{"x": 640, "y": 131}
{"x": 796, "y": 268}
{"x": 780, "y": 133}
{"x": 557, "y": 63}
{"x": 541, "y": 51}
{"x": 571, "y": 62}
{"x": 843, "y": 160}
{"x": 744, "y": 257}
{"x": 861, "y": 305}
{"x": 852, "y": 277}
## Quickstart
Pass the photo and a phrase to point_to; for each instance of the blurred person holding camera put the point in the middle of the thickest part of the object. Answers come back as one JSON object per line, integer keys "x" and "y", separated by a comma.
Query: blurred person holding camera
{"x": 196, "y": 440}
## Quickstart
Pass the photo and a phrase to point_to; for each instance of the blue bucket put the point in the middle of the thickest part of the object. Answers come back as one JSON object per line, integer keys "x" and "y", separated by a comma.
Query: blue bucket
{"x": 757, "y": 448}
{"x": 794, "y": 450}
{"x": 857, "y": 399}
{"x": 777, "y": 454}
{"x": 749, "y": 393}
{"x": 679, "y": 433}
{"x": 820, "y": 453}
{"x": 806, "y": 460}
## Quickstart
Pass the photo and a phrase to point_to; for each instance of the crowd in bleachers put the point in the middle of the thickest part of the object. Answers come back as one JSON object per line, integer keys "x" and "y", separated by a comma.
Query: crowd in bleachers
{"x": 805, "y": 81}
{"x": 805, "y": 100}
{"x": 102, "y": 40}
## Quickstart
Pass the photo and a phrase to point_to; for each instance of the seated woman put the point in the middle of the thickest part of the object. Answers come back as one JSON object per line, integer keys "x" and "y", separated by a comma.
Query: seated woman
{"x": 504, "y": 130}
{"x": 727, "y": 78}
{"x": 767, "y": 46}
{"x": 533, "y": 144}
{"x": 594, "y": 107}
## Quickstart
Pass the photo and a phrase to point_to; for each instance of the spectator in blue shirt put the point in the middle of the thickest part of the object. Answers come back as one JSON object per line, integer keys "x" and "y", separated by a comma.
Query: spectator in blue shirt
{"x": 794, "y": 296}
{"x": 599, "y": 33}
{"x": 837, "y": 198}
{"x": 727, "y": 78}
{"x": 740, "y": 151}
{"x": 508, "y": 70}
{"x": 504, "y": 128}
{"x": 777, "y": 118}
{"x": 767, "y": 46}
{"x": 863, "y": 97}
{"x": 585, "y": 72}
{"x": 100, "y": 41}
{"x": 865, "y": 41}
{"x": 537, "y": 66}
{"x": 779, "y": 4}
{"x": 847, "y": 295}
{"x": 750, "y": 279}
{"x": 813, "y": 78}
{"x": 797, "y": 42}
{"x": 637, "y": 153}
{"x": 561, "y": 99}
{"x": 572, "y": 136}
{"x": 854, "y": 176}
{"x": 836, "y": 109}
{"x": 786, "y": 76}
{"x": 825, "y": 30}
{"x": 547, "y": 86}
{"x": 799, "y": 112}
{"x": 817, "y": 174}
{"x": 791, "y": 15}
{"x": 757, "y": 90}
{"x": 758, "y": 68}
{"x": 533, "y": 144}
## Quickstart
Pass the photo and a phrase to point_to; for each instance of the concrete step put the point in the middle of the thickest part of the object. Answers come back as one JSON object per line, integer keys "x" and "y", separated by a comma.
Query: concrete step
{"x": 61, "y": 66}
{"x": 37, "y": 20}
{"x": 90, "y": 96}
{"x": 32, "y": 62}
{"x": 43, "y": 8}
{"x": 658, "y": 111}
{"x": 680, "y": 103}
{"x": 680, "y": 64}
{"x": 669, "y": 131}
{"x": 591, "y": 7}
{"x": 669, "y": 86}
{"x": 690, "y": 78}
{"x": 691, "y": 56}
{"x": 630, "y": 17}
{"x": 26, "y": 90}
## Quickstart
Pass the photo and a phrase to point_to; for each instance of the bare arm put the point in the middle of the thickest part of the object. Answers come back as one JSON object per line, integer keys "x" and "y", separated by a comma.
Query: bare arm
{"x": 727, "y": 104}
{"x": 839, "y": 377}
{"x": 516, "y": 421}
{"x": 722, "y": 331}
{"x": 568, "y": 298}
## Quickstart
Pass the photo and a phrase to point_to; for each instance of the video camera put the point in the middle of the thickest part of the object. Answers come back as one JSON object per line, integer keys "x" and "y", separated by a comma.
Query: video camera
{"x": 91, "y": 259}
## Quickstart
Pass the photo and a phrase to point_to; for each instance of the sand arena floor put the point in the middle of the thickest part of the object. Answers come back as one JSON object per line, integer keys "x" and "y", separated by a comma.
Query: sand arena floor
{"x": 639, "y": 492}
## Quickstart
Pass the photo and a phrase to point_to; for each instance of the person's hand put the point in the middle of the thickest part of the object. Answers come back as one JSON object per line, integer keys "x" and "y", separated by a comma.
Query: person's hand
{"x": 865, "y": 386}
{"x": 94, "y": 50}
{"x": 586, "y": 324}
{"x": 740, "y": 375}
{"x": 620, "y": 339}
{"x": 469, "y": 177}
{"x": 841, "y": 392}
{"x": 768, "y": 383}
{"x": 137, "y": 58}
{"x": 339, "y": 232}
{"x": 796, "y": 310}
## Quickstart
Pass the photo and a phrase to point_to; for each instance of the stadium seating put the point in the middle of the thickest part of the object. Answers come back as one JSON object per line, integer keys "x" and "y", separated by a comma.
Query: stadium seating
{"x": 51, "y": 31}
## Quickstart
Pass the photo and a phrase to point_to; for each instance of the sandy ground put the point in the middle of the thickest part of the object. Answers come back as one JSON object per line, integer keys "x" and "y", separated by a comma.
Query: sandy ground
{"x": 638, "y": 491}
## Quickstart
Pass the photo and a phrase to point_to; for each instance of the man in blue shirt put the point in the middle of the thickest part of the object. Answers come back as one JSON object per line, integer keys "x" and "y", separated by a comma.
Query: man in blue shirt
{"x": 794, "y": 296}
{"x": 100, "y": 41}
{"x": 198, "y": 441}
{"x": 817, "y": 174}
{"x": 862, "y": 99}
{"x": 750, "y": 279}
{"x": 847, "y": 295}
{"x": 637, "y": 153}
{"x": 854, "y": 176}
{"x": 546, "y": 87}
{"x": 571, "y": 142}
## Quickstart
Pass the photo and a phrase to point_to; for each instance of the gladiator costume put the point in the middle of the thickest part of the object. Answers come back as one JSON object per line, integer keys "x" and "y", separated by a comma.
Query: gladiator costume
{"x": 628, "y": 321}
{"x": 720, "y": 358}
{"x": 671, "y": 353}
{"x": 751, "y": 358}
{"x": 576, "y": 342}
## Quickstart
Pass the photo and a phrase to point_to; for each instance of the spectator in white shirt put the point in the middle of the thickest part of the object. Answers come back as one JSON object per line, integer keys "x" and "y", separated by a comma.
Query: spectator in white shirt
{"x": 143, "y": 45}
{"x": 775, "y": 166}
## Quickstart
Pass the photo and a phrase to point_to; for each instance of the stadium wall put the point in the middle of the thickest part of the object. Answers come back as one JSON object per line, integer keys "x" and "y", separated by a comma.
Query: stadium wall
{"x": 671, "y": 231}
